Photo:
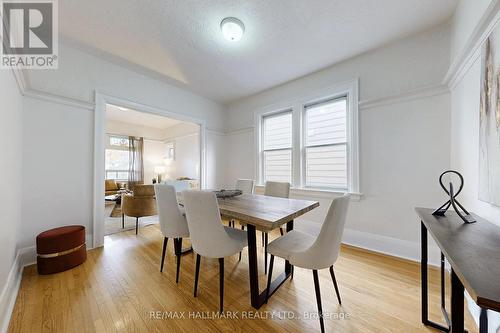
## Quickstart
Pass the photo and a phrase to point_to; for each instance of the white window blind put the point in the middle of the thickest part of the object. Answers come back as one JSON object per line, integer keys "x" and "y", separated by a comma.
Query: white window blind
{"x": 277, "y": 147}
{"x": 326, "y": 144}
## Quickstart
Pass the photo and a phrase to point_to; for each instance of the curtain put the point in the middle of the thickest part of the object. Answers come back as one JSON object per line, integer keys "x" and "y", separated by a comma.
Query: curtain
{"x": 135, "y": 161}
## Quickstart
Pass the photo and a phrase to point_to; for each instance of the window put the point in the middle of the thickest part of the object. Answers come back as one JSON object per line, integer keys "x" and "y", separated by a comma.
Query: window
{"x": 314, "y": 143}
{"x": 116, "y": 164}
{"x": 118, "y": 141}
{"x": 277, "y": 147}
{"x": 325, "y": 144}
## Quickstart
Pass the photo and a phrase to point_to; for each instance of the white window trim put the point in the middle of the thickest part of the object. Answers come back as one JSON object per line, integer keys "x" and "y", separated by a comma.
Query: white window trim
{"x": 349, "y": 89}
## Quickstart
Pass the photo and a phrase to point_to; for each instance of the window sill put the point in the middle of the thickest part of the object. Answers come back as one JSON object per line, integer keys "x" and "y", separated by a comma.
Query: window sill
{"x": 316, "y": 193}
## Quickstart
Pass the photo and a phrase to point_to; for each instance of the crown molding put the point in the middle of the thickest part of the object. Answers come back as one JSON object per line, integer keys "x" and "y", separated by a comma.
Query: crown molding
{"x": 418, "y": 93}
{"x": 240, "y": 131}
{"x": 471, "y": 50}
{"x": 42, "y": 95}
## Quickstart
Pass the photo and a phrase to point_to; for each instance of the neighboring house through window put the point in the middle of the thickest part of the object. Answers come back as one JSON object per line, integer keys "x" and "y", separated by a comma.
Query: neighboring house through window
{"x": 117, "y": 158}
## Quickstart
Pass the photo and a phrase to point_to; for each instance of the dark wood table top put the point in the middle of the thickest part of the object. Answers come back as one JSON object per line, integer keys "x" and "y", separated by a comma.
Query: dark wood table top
{"x": 266, "y": 213}
{"x": 473, "y": 250}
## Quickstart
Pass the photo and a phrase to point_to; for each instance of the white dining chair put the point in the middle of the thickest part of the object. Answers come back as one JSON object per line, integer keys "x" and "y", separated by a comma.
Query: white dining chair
{"x": 246, "y": 187}
{"x": 274, "y": 189}
{"x": 209, "y": 237}
{"x": 303, "y": 250}
{"x": 173, "y": 222}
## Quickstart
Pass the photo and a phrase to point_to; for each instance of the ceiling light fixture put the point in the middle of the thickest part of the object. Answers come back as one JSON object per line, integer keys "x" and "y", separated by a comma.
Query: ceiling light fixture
{"x": 232, "y": 29}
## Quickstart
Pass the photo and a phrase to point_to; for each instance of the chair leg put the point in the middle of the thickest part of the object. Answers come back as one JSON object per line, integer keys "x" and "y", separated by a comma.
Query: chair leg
{"x": 242, "y": 227}
{"x": 318, "y": 300}
{"x": 123, "y": 221}
{"x": 291, "y": 274}
{"x": 221, "y": 283}
{"x": 265, "y": 253}
{"x": 269, "y": 277}
{"x": 335, "y": 284}
{"x": 197, "y": 273}
{"x": 281, "y": 231}
{"x": 262, "y": 239}
{"x": 239, "y": 259}
{"x": 165, "y": 241}
{"x": 136, "y": 225}
{"x": 178, "y": 253}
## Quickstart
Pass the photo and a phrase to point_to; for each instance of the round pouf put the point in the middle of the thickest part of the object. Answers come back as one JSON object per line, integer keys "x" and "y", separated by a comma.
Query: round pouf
{"x": 60, "y": 249}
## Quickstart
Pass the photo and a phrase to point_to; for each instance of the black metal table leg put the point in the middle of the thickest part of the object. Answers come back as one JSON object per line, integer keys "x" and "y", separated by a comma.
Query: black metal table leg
{"x": 288, "y": 267}
{"x": 259, "y": 298}
{"x": 457, "y": 304}
{"x": 252, "y": 266}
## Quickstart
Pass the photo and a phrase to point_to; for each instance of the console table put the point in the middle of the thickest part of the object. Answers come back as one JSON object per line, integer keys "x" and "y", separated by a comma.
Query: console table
{"x": 473, "y": 251}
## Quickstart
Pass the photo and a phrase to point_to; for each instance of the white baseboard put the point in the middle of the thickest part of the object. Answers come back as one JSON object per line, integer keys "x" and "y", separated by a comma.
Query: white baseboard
{"x": 11, "y": 288}
{"x": 390, "y": 246}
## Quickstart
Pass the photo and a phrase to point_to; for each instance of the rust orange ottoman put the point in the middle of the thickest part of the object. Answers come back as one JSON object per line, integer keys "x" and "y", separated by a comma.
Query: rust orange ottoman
{"x": 60, "y": 249}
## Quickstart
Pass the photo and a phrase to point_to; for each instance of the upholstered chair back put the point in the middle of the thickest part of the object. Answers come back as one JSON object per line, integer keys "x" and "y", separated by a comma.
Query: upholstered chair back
{"x": 325, "y": 250}
{"x": 144, "y": 191}
{"x": 245, "y": 185}
{"x": 277, "y": 189}
{"x": 208, "y": 236}
{"x": 172, "y": 221}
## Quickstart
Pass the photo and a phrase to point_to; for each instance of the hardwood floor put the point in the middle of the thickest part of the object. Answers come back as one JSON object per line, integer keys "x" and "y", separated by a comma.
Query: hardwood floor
{"x": 120, "y": 288}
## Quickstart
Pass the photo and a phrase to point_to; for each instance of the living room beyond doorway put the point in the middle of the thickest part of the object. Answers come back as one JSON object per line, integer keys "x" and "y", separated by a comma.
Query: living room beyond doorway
{"x": 143, "y": 149}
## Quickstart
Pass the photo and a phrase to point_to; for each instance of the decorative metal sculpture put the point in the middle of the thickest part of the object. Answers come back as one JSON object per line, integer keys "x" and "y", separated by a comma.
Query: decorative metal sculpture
{"x": 227, "y": 193}
{"x": 452, "y": 202}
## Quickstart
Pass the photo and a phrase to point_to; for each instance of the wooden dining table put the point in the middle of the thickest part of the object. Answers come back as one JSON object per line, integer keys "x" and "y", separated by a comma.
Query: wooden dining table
{"x": 264, "y": 213}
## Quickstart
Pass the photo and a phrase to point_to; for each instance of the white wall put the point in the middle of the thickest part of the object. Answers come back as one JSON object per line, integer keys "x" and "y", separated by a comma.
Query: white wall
{"x": 187, "y": 157}
{"x": 58, "y": 155}
{"x": 12, "y": 181}
{"x": 465, "y": 125}
{"x": 154, "y": 152}
{"x": 404, "y": 131}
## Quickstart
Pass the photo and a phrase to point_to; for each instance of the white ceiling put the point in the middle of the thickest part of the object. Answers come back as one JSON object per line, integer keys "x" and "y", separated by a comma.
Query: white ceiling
{"x": 180, "y": 40}
{"x": 128, "y": 116}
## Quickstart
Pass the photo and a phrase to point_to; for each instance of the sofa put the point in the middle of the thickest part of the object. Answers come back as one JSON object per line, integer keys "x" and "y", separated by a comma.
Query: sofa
{"x": 111, "y": 186}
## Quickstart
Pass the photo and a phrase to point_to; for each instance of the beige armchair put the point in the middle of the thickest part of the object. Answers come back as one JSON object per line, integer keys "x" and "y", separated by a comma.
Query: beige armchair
{"x": 139, "y": 204}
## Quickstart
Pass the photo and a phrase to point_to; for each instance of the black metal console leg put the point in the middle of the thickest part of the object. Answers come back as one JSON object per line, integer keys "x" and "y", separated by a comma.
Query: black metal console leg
{"x": 423, "y": 272}
{"x": 457, "y": 304}
{"x": 483, "y": 321}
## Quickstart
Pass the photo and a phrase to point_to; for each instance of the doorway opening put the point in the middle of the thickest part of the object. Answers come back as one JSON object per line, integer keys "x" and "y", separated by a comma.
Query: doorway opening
{"x": 136, "y": 147}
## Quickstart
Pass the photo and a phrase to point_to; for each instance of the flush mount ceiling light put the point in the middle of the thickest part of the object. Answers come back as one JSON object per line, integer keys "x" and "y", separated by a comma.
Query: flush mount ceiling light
{"x": 232, "y": 29}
